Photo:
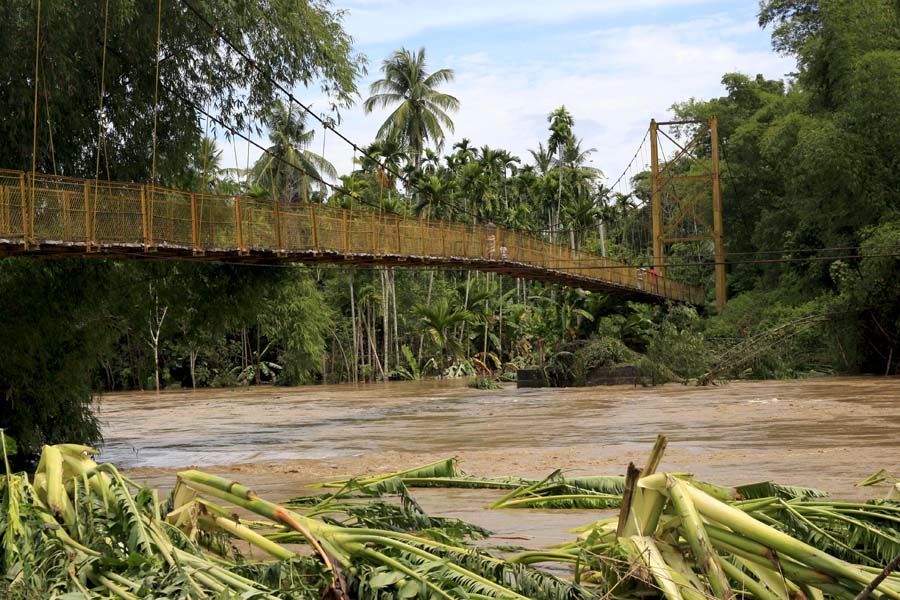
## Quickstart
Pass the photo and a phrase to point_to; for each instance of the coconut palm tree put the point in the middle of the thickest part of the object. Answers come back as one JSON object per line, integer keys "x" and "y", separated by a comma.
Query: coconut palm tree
{"x": 438, "y": 318}
{"x": 205, "y": 167}
{"x": 384, "y": 158}
{"x": 543, "y": 159}
{"x": 561, "y": 124}
{"x": 420, "y": 113}
{"x": 288, "y": 168}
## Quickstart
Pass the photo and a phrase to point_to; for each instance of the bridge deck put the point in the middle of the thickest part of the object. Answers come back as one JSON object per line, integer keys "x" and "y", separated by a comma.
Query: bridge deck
{"x": 53, "y": 216}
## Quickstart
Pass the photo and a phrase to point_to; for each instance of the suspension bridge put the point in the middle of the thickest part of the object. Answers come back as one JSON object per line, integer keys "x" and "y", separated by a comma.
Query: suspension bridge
{"x": 50, "y": 216}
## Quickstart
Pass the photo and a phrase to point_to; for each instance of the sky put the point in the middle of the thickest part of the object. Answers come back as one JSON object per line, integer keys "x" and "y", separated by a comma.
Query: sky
{"x": 615, "y": 64}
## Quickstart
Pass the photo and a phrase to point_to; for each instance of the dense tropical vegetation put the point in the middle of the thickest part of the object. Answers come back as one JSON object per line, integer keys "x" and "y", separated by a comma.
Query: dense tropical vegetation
{"x": 808, "y": 163}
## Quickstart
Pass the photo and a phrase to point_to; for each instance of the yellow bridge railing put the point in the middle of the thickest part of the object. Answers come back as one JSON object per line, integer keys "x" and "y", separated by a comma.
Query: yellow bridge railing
{"x": 46, "y": 214}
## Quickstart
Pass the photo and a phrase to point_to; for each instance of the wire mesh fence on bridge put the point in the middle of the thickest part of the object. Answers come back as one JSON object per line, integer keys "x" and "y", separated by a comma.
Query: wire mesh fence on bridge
{"x": 45, "y": 213}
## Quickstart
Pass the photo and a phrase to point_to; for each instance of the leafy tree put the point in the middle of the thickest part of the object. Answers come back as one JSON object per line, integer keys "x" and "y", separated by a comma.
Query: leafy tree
{"x": 793, "y": 23}
{"x": 438, "y": 319}
{"x": 54, "y": 323}
{"x": 812, "y": 165}
{"x": 288, "y": 168}
{"x": 420, "y": 116}
{"x": 298, "y": 43}
{"x": 62, "y": 321}
{"x": 296, "y": 320}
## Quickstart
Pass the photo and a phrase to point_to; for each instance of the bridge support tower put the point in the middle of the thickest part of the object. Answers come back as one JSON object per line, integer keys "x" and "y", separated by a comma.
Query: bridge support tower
{"x": 680, "y": 188}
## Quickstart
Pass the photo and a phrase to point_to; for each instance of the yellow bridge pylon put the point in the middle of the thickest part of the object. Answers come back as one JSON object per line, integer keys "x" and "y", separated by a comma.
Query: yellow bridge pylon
{"x": 684, "y": 190}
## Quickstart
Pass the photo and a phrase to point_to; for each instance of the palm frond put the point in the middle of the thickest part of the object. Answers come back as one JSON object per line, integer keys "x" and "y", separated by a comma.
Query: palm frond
{"x": 438, "y": 77}
{"x": 445, "y": 467}
{"x": 766, "y": 489}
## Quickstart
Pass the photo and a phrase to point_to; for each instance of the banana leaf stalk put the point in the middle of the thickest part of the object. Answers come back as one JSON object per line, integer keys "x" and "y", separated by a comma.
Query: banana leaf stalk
{"x": 645, "y": 550}
{"x": 697, "y": 540}
{"x": 234, "y": 492}
{"x": 444, "y": 468}
{"x": 576, "y": 501}
{"x": 693, "y": 529}
{"x": 640, "y": 509}
{"x": 868, "y": 533}
{"x": 554, "y": 491}
{"x": 446, "y": 473}
{"x": 347, "y": 545}
{"x": 737, "y": 520}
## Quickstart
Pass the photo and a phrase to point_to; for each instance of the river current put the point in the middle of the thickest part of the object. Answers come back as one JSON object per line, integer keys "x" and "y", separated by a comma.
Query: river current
{"x": 826, "y": 432}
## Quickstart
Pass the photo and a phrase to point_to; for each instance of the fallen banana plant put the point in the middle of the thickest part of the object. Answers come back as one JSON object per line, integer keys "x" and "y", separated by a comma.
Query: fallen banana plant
{"x": 444, "y": 473}
{"x": 344, "y": 508}
{"x": 82, "y": 530}
{"x": 554, "y": 491}
{"x": 675, "y": 537}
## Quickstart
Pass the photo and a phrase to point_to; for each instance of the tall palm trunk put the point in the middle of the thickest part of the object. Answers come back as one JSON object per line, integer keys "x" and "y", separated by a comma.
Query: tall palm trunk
{"x": 500, "y": 330}
{"x": 427, "y": 303}
{"x": 192, "y": 359}
{"x": 258, "y": 356}
{"x": 364, "y": 320}
{"x": 355, "y": 373}
{"x": 396, "y": 326}
{"x": 374, "y": 361}
{"x": 417, "y": 162}
{"x": 559, "y": 195}
{"x": 386, "y": 330}
{"x": 462, "y": 326}
{"x": 155, "y": 328}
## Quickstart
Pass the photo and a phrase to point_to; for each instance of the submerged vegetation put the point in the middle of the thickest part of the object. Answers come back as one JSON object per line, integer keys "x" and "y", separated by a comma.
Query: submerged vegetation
{"x": 82, "y": 530}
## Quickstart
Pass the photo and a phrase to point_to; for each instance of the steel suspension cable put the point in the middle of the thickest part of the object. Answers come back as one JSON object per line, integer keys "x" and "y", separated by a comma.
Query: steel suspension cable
{"x": 611, "y": 189}
{"x": 102, "y": 90}
{"x": 407, "y": 181}
{"x": 156, "y": 89}
{"x": 633, "y": 158}
{"x": 37, "y": 55}
{"x": 49, "y": 125}
{"x": 234, "y": 132}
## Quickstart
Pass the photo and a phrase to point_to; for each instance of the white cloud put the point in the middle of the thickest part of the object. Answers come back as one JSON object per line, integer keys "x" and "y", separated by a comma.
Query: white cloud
{"x": 613, "y": 80}
{"x": 614, "y": 83}
{"x": 375, "y": 21}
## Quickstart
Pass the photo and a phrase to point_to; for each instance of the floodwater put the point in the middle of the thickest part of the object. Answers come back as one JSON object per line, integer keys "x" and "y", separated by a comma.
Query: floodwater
{"x": 824, "y": 432}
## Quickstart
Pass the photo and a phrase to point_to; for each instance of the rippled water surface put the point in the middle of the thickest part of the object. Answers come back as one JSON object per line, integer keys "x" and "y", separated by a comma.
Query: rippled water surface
{"x": 828, "y": 432}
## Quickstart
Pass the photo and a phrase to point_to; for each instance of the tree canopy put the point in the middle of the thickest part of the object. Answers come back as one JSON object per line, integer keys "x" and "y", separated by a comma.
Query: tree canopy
{"x": 296, "y": 43}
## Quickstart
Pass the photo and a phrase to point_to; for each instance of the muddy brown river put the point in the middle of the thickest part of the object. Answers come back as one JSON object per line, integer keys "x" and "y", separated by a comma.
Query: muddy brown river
{"x": 824, "y": 432}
